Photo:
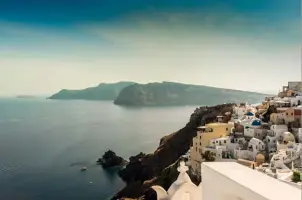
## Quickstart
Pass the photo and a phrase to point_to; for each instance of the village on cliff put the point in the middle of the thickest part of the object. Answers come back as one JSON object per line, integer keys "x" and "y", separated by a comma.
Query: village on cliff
{"x": 244, "y": 152}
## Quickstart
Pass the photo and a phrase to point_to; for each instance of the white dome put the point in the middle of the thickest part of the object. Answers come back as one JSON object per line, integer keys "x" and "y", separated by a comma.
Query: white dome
{"x": 289, "y": 137}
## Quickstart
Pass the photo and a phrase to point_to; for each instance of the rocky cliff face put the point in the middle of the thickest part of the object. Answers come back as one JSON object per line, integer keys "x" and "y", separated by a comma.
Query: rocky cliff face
{"x": 169, "y": 93}
{"x": 159, "y": 168}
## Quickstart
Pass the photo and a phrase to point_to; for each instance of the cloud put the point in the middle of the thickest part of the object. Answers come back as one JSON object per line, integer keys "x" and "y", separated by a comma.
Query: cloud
{"x": 199, "y": 48}
{"x": 152, "y": 28}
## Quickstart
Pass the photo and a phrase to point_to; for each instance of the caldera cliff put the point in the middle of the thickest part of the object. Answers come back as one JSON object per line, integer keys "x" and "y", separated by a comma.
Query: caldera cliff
{"x": 159, "y": 167}
{"x": 171, "y": 93}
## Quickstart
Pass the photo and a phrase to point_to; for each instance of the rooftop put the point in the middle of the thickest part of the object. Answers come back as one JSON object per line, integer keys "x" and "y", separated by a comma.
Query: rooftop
{"x": 217, "y": 124}
{"x": 266, "y": 186}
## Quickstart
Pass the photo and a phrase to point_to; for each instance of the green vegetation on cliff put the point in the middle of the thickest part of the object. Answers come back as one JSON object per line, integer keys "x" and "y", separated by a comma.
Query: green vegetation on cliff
{"x": 104, "y": 91}
{"x": 169, "y": 93}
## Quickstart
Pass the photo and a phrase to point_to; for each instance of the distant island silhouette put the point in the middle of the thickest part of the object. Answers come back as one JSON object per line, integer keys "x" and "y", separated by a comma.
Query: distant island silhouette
{"x": 158, "y": 94}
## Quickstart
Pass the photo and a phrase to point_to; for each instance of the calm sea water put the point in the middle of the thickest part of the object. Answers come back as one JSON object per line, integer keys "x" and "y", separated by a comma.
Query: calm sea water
{"x": 44, "y": 144}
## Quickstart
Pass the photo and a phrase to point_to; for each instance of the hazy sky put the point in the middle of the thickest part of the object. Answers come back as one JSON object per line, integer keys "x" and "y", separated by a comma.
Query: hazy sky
{"x": 53, "y": 44}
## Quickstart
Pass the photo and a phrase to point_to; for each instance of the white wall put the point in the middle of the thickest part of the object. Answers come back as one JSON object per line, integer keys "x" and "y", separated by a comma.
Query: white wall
{"x": 243, "y": 154}
{"x": 216, "y": 186}
{"x": 232, "y": 181}
{"x": 249, "y": 132}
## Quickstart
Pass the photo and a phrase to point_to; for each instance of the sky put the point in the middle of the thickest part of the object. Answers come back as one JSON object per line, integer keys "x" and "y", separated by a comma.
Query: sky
{"x": 49, "y": 45}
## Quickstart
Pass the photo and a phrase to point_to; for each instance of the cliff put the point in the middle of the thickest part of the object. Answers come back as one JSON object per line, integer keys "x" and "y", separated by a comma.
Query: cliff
{"x": 159, "y": 167}
{"x": 169, "y": 93}
{"x": 104, "y": 91}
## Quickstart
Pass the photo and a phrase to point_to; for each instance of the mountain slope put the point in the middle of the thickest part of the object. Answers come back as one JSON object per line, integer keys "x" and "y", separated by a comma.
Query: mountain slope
{"x": 104, "y": 91}
{"x": 169, "y": 93}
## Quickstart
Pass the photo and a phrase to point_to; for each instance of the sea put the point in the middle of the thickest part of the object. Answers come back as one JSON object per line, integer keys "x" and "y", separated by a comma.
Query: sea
{"x": 45, "y": 143}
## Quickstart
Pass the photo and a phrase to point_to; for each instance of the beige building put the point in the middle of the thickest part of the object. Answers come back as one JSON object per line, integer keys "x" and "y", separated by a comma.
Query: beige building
{"x": 204, "y": 136}
{"x": 293, "y": 115}
{"x": 278, "y": 118}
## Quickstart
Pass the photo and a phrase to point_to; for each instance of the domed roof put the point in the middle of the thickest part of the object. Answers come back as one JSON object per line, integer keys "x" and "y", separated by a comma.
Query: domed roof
{"x": 256, "y": 122}
{"x": 250, "y": 114}
{"x": 287, "y": 136}
{"x": 260, "y": 159}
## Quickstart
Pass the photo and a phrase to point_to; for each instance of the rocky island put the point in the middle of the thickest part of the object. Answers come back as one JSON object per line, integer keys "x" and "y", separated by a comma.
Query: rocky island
{"x": 104, "y": 91}
{"x": 110, "y": 159}
{"x": 158, "y": 94}
{"x": 25, "y": 96}
{"x": 171, "y": 93}
{"x": 160, "y": 167}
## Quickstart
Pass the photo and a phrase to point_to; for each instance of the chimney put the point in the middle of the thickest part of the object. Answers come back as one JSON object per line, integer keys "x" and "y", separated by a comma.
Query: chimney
{"x": 219, "y": 119}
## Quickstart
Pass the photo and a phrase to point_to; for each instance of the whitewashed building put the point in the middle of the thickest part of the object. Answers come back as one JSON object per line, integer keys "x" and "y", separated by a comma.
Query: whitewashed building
{"x": 278, "y": 130}
{"x": 227, "y": 181}
{"x": 271, "y": 142}
{"x": 243, "y": 154}
{"x": 229, "y": 142}
{"x": 287, "y": 141}
{"x": 255, "y": 145}
{"x": 299, "y": 135}
{"x": 232, "y": 181}
{"x": 250, "y": 125}
{"x": 240, "y": 110}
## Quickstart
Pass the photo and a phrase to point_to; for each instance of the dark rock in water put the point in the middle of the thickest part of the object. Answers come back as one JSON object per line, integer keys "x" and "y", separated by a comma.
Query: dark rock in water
{"x": 110, "y": 159}
{"x": 160, "y": 167}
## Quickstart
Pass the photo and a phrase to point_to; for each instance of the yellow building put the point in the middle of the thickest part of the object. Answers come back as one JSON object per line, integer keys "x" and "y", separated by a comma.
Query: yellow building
{"x": 204, "y": 136}
{"x": 263, "y": 107}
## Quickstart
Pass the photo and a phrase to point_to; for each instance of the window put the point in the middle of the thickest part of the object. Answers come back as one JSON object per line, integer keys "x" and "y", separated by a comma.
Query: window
{"x": 256, "y": 147}
{"x": 227, "y": 129}
{"x": 196, "y": 149}
{"x": 292, "y": 114}
{"x": 200, "y": 143}
{"x": 217, "y": 142}
{"x": 225, "y": 142}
